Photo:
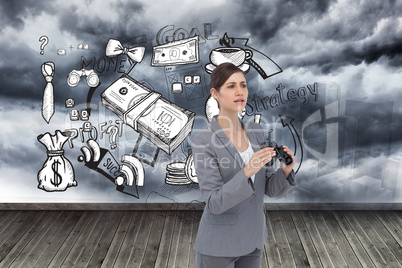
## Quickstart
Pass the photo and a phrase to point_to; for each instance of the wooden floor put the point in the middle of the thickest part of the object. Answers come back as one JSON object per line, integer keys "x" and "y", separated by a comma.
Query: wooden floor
{"x": 165, "y": 238}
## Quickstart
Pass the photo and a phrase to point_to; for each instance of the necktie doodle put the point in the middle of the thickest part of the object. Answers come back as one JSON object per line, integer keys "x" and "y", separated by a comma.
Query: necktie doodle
{"x": 48, "y": 69}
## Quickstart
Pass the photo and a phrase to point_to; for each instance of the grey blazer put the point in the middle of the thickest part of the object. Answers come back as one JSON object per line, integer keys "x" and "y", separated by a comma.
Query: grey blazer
{"x": 233, "y": 222}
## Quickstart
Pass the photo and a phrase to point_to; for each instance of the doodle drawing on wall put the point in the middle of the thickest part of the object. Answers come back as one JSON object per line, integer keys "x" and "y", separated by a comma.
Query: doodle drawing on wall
{"x": 183, "y": 51}
{"x": 57, "y": 172}
{"x": 48, "y": 69}
{"x": 102, "y": 161}
{"x": 164, "y": 123}
{"x": 263, "y": 64}
{"x": 135, "y": 55}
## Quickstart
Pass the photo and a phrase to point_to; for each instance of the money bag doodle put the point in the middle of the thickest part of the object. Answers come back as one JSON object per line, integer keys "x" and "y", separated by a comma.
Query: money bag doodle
{"x": 57, "y": 172}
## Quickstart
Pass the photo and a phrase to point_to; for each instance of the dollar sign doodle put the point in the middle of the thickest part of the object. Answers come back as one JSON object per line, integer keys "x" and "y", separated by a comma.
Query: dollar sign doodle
{"x": 57, "y": 179}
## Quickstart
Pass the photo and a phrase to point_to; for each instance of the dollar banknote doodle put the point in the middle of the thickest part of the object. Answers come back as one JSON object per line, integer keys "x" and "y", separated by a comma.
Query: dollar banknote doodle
{"x": 184, "y": 51}
{"x": 57, "y": 178}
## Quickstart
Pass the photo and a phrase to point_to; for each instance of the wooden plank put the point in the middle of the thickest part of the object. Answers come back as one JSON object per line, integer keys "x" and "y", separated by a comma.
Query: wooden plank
{"x": 8, "y": 220}
{"x": 328, "y": 240}
{"x": 50, "y": 224}
{"x": 375, "y": 239}
{"x": 81, "y": 240}
{"x": 129, "y": 240}
{"x": 341, "y": 240}
{"x": 151, "y": 251}
{"x": 298, "y": 253}
{"x": 353, "y": 240}
{"x": 142, "y": 239}
{"x": 361, "y": 233}
{"x": 4, "y": 214}
{"x": 71, "y": 239}
{"x": 57, "y": 243}
{"x": 396, "y": 220}
{"x": 118, "y": 238}
{"x": 305, "y": 238}
{"x": 48, "y": 238}
{"x": 162, "y": 259}
{"x": 319, "y": 244}
{"x": 264, "y": 261}
{"x": 184, "y": 246}
{"x": 85, "y": 247}
{"x": 42, "y": 245}
{"x": 282, "y": 243}
{"x": 175, "y": 240}
{"x": 26, "y": 238}
{"x": 96, "y": 247}
{"x": 270, "y": 245}
{"x": 390, "y": 249}
{"x": 399, "y": 214}
{"x": 196, "y": 205}
{"x": 11, "y": 235}
{"x": 196, "y": 224}
{"x": 392, "y": 226}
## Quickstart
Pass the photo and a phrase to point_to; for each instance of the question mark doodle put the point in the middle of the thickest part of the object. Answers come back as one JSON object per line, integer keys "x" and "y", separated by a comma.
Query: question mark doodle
{"x": 112, "y": 130}
{"x": 45, "y": 40}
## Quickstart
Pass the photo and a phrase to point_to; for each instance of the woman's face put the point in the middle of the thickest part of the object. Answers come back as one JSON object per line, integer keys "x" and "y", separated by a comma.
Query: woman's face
{"x": 232, "y": 96}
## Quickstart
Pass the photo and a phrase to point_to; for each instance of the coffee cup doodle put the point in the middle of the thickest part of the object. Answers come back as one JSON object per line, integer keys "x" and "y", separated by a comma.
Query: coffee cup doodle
{"x": 234, "y": 55}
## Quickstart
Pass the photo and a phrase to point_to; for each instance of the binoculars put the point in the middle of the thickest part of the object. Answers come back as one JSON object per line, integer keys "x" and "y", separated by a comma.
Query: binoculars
{"x": 281, "y": 155}
{"x": 74, "y": 77}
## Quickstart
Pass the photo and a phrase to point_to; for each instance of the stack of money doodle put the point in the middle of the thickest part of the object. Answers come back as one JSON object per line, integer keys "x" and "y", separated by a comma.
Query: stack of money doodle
{"x": 162, "y": 122}
{"x": 176, "y": 174}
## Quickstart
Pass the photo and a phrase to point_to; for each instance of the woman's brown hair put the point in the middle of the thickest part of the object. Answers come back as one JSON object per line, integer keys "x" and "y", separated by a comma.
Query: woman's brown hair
{"x": 222, "y": 73}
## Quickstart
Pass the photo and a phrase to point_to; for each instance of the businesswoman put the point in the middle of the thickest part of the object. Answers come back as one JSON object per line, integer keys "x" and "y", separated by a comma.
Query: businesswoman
{"x": 233, "y": 178}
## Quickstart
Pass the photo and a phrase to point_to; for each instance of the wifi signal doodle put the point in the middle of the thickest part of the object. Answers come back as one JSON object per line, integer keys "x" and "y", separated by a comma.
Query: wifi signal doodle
{"x": 138, "y": 168}
{"x": 103, "y": 162}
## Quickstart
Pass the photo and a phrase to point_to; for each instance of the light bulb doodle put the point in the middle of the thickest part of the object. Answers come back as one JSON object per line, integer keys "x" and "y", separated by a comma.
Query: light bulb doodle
{"x": 45, "y": 40}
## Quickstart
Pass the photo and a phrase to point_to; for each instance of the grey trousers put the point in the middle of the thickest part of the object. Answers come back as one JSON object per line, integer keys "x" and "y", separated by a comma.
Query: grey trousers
{"x": 252, "y": 260}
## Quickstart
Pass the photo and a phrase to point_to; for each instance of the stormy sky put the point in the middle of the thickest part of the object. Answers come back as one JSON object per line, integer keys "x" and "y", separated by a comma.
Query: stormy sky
{"x": 354, "y": 45}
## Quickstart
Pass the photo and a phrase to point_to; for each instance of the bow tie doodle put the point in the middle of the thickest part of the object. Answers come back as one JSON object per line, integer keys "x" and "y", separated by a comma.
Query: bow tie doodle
{"x": 48, "y": 69}
{"x": 114, "y": 48}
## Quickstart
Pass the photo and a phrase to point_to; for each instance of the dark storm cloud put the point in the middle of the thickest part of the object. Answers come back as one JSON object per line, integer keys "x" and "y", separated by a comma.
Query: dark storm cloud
{"x": 264, "y": 19}
{"x": 97, "y": 28}
{"x": 326, "y": 34}
{"x": 373, "y": 51}
{"x": 19, "y": 72}
{"x": 13, "y": 13}
{"x": 21, "y": 155}
{"x": 22, "y": 79}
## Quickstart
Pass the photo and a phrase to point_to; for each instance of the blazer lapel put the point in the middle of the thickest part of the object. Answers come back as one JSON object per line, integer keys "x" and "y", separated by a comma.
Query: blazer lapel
{"x": 251, "y": 134}
{"x": 226, "y": 142}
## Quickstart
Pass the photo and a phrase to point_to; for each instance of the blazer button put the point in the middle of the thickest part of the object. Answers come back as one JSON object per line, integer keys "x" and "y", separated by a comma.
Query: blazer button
{"x": 252, "y": 201}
